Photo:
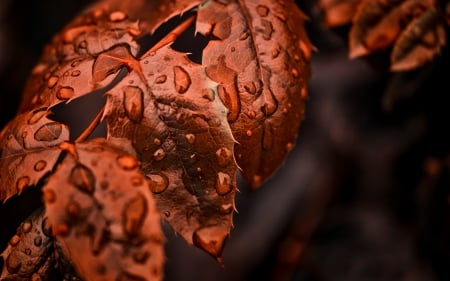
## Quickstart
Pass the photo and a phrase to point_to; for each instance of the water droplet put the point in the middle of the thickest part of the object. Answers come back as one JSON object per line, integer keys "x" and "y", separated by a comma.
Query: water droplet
{"x": 182, "y": 79}
{"x": 208, "y": 94}
{"x": 73, "y": 209}
{"x": 61, "y": 229}
{"x": 52, "y": 81}
{"x": 133, "y": 215}
{"x": 22, "y": 183}
{"x": 26, "y": 227}
{"x": 256, "y": 181}
{"x": 38, "y": 69}
{"x": 251, "y": 114}
{"x": 27, "y": 251}
{"x": 211, "y": 239}
{"x": 269, "y": 108}
{"x": 83, "y": 179}
{"x": 249, "y": 133}
{"x": 46, "y": 227}
{"x": 48, "y": 132}
{"x": 226, "y": 208}
{"x": 117, "y": 16}
{"x": 40, "y": 165}
{"x": 36, "y": 277}
{"x": 137, "y": 180}
{"x": 38, "y": 114}
{"x": 13, "y": 263}
{"x": 158, "y": 182}
{"x": 161, "y": 79}
{"x": 233, "y": 49}
{"x": 37, "y": 241}
{"x": 134, "y": 103}
{"x": 83, "y": 44}
{"x": 224, "y": 156}
{"x": 190, "y": 138}
{"x": 262, "y": 11}
{"x": 167, "y": 214}
{"x": 66, "y": 74}
{"x": 65, "y": 93}
{"x": 127, "y": 162}
{"x": 250, "y": 87}
{"x": 49, "y": 196}
{"x": 223, "y": 183}
{"x": 14, "y": 240}
{"x": 75, "y": 73}
{"x": 159, "y": 154}
{"x": 141, "y": 256}
{"x": 276, "y": 52}
{"x": 157, "y": 141}
{"x": 244, "y": 35}
{"x": 266, "y": 30}
{"x": 304, "y": 93}
{"x": 294, "y": 73}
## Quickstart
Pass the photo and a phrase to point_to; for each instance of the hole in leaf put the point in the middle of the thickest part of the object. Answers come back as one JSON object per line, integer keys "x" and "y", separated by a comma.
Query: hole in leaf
{"x": 81, "y": 112}
{"x": 188, "y": 42}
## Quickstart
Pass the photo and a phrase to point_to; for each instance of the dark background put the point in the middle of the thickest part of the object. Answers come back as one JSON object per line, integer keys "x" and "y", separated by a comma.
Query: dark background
{"x": 363, "y": 196}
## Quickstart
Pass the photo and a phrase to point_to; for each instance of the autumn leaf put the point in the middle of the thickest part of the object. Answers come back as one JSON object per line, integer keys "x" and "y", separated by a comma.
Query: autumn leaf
{"x": 260, "y": 63}
{"x": 101, "y": 210}
{"x": 30, "y": 252}
{"x": 421, "y": 41}
{"x": 28, "y": 150}
{"x": 179, "y": 130}
{"x": 338, "y": 12}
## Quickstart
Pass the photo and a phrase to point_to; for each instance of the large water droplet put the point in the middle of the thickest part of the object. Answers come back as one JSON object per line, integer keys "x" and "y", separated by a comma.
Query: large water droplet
{"x": 48, "y": 132}
{"x": 211, "y": 239}
{"x": 182, "y": 79}
{"x": 224, "y": 156}
{"x": 22, "y": 183}
{"x": 127, "y": 162}
{"x": 38, "y": 114}
{"x": 159, "y": 154}
{"x": 117, "y": 16}
{"x": 83, "y": 179}
{"x": 133, "y": 102}
{"x": 262, "y": 10}
{"x": 14, "y": 240}
{"x": 40, "y": 165}
{"x": 52, "y": 81}
{"x": 223, "y": 183}
{"x": 26, "y": 227}
{"x": 158, "y": 182}
{"x": 75, "y": 73}
{"x": 27, "y": 251}
{"x": 133, "y": 215}
{"x": 161, "y": 79}
{"x": 65, "y": 93}
{"x": 37, "y": 241}
{"x": 49, "y": 196}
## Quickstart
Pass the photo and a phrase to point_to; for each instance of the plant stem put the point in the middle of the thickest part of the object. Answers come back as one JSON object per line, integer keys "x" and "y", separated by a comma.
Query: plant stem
{"x": 89, "y": 129}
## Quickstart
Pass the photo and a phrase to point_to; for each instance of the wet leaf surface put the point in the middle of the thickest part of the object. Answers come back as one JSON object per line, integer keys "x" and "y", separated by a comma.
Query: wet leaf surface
{"x": 28, "y": 150}
{"x": 30, "y": 252}
{"x": 101, "y": 210}
{"x": 260, "y": 63}
{"x": 178, "y": 127}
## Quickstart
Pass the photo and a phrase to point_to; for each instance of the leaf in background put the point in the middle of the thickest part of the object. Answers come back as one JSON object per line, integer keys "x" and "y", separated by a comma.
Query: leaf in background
{"x": 179, "y": 130}
{"x": 102, "y": 212}
{"x": 421, "y": 41}
{"x": 260, "y": 63}
{"x": 338, "y": 12}
{"x": 30, "y": 252}
{"x": 378, "y": 24}
{"x": 28, "y": 150}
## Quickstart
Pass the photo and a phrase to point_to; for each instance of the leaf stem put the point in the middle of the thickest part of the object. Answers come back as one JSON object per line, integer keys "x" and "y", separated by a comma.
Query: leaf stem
{"x": 89, "y": 129}
{"x": 171, "y": 36}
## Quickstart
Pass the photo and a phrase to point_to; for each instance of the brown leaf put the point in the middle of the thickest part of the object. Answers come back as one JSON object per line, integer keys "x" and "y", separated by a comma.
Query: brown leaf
{"x": 102, "y": 212}
{"x": 29, "y": 254}
{"x": 260, "y": 63}
{"x": 179, "y": 130}
{"x": 28, "y": 150}
{"x": 421, "y": 41}
{"x": 378, "y": 24}
{"x": 338, "y": 12}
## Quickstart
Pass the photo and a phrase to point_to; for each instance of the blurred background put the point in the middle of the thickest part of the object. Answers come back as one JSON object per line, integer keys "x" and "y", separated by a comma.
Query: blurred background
{"x": 363, "y": 196}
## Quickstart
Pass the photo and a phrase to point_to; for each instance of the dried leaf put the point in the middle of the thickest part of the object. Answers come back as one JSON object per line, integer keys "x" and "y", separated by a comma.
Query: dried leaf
{"x": 179, "y": 130}
{"x": 260, "y": 63}
{"x": 421, "y": 41}
{"x": 28, "y": 150}
{"x": 378, "y": 24}
{"x": 338, "y": 12}
{"x": 102, "y": 212}
{"x": 29, "y": 255}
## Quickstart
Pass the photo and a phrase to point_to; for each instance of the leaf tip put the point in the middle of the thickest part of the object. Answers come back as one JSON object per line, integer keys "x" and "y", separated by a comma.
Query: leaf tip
{"x": 212, "y": 240}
